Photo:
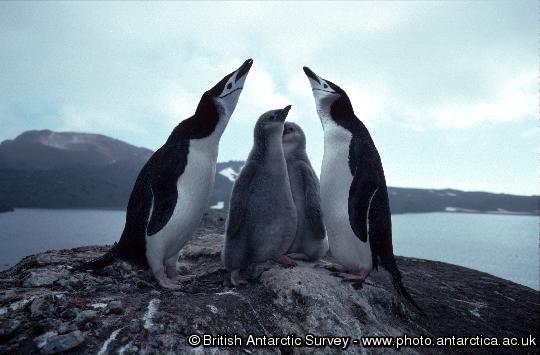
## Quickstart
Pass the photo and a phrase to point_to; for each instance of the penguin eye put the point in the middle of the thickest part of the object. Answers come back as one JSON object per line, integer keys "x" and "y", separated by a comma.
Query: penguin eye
{"x": 325, "y": 86}
{"x": 229, "y": 85}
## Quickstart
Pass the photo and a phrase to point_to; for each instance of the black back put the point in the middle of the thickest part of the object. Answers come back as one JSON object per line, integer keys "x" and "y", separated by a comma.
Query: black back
{"x": 368, "y": 205}
{"x": 155, "y": 189}
{"x": 368, "y": 194}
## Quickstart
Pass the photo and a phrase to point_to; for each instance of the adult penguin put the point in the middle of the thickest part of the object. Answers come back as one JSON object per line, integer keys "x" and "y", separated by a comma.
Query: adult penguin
{"x": 172, "y": 190}
{"x": 354, "y": 196}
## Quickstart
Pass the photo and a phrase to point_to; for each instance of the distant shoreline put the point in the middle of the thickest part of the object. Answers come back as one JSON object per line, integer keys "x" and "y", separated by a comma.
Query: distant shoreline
{"x": 507, "y": 213}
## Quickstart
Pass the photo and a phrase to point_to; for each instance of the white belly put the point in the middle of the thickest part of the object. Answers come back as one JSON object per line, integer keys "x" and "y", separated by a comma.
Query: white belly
{"x": 194, "y": 187}
{"x": 336, "y": 179}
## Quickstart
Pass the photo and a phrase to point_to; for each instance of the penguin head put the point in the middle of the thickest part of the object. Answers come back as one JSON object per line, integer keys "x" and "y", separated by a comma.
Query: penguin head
{"x": 226, "y": 92}
{"x": 271, "y": 122}
{"x": 293, "y": 138}
{"x": 332, "y": 101}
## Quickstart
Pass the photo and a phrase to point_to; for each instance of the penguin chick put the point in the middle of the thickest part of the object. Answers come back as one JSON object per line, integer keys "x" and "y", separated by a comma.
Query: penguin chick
{"x": 261, "y": 224}
{"x": 310, "y": 242}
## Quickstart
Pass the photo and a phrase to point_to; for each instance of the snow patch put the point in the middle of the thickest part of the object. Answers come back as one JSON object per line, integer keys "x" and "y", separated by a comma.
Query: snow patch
{"x": 458, "y": 209}
{"x": 229, "y": 292}
{"x": 212, "y": 308}
{"x": 150, "y": 312}
{"x": 229, "y": 173}
{"x": 218, "y": 206}
{"x": 105, "y": 345}
{"x": 123, "y": 349}
{"x": 98, "y": 305}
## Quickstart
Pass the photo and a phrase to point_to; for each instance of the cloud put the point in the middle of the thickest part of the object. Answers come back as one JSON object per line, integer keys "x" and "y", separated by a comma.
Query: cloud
{"x": 515, "y": 101}
{"x": 134, "y": 70}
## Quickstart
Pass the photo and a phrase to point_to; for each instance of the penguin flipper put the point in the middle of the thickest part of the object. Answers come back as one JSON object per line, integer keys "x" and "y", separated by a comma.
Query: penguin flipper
{"x": 169, "y": 165}
{"x": 363, "y": 189}
{"x": 238, "y": 205}
{"x": 312, "y": 200}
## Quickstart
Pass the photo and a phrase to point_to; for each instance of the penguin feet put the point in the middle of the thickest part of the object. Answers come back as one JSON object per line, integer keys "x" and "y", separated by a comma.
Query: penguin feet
{"x": 165, "y": 282}
{"x": 333, "y": 267}
{"x": 356, "y": 278}
{"x": 298, "y": 256}
{"x": 286, "y": 261}
{"x": 236, "y": 279}
{"x": 175, "y": 276}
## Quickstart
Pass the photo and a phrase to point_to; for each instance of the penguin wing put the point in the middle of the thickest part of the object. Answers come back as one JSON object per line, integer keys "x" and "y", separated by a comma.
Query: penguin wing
{"x": 168, "y": 165}
{"x": 366, "y": 182}
{"x": 238, "y": 203}
{"x": 132, "y": 243}
{"x": 363, "y": 189}
{"x": 312, "y": 200}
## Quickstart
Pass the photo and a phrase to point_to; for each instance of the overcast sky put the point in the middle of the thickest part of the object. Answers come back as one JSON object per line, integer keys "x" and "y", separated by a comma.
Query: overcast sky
{"x": 448, "y": 90}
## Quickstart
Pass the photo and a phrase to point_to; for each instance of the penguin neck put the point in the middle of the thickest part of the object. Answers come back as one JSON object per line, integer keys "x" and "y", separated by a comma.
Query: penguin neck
{"x": 208, "y": 122}
{"x": 268, "y": 148}
{"x": 339, "y": 113}
{"x": 295, "y": 153}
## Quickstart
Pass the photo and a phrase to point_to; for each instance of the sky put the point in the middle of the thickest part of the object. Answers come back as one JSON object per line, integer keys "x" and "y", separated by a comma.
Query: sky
{"x": 448, "y": 90}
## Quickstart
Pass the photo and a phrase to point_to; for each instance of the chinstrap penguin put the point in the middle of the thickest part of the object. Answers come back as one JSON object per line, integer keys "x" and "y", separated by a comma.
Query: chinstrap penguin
{"x": 310, "y": 242}
{"x": 354, "y": 197}
{"x": 171, "y": 192}
{"x": 261, "y": 224}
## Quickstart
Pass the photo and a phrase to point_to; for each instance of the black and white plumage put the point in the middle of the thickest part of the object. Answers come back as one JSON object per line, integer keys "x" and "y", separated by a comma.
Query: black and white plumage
{"x": 172, "y": 189}
{"x": 310, "y": 242}
{"x": 354, "y": 195}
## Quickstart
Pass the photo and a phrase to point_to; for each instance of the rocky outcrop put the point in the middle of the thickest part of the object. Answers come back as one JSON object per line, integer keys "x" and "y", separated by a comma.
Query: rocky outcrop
{"x": 46, "y": 308}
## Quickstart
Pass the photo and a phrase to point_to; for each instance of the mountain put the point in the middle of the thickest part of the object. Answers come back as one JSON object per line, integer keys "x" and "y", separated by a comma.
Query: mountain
{"x": 46, "y": 169}
{"x": 46, "y": 150}
{"x": 412, "y": 200}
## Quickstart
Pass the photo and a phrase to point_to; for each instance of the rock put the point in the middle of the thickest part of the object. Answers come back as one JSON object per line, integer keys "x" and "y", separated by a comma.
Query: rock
{"x": 43, "y": 278}
{"x": 7, "y": 296}
{"x": 72, "y": 282}
{"x": 42, "y": 306}
{"x": 135, "y": 326}
{"x": 66, "y": 327}
{"x": 125, "y": 307}
{"x": 44, "y": 259}
{"x": 86, "y": 316}
{"x": 59, "y": 343}
{"x": 8, "y": 327}
{"x": 115, "y": 307}
{"x": 41, "y": 340}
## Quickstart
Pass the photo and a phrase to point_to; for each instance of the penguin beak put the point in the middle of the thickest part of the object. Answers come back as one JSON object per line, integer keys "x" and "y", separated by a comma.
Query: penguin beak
{"x": 314, "y": 79}
{"x": 244, "y": 69}
{"x": 283, "y": 114}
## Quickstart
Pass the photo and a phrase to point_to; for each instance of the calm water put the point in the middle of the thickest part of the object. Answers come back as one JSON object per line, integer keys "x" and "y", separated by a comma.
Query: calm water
{"x": 502, "y": 245}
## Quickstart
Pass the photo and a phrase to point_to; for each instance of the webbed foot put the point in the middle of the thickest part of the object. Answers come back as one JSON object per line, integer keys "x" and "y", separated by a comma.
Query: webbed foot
{"x": 175, "y": 276}
{"x": 165, "y": 282}
{"x": 299, "y": 256}
{"x": 236, "y": 279}
{"x": 286, "y": 261}
{"x": 332, "y": 267}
